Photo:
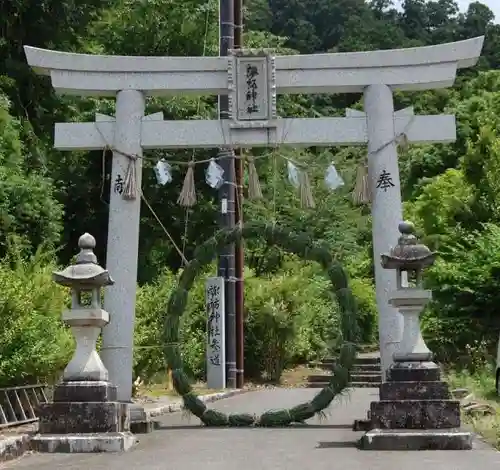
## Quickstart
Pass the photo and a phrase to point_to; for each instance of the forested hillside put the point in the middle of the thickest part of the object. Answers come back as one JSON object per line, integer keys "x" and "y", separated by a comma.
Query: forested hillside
{"x": 49, "y": 198}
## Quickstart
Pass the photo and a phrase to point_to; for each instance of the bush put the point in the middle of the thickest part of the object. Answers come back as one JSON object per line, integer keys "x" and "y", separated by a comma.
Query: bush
{"x": 34, "y": 343}
{"x": 152, "y": 301}
{"x": 151, "y": 304}
{"x": 364, "y": 293}
{"x": 28, "y": 207}
{"x": 466, "y": 290}
{"x": 360, "y": 269}
{"x": 290, "y": 318}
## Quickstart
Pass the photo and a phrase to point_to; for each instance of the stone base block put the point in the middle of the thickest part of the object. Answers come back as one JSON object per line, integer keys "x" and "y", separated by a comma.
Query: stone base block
{"x": 87, "y": 417}
{"x": 140, "y": 421}
{"x": 412, "y": 356}
{"x": 415, "y": 414}
{"x": 361, "y": 425}
{"x": 144, "y": 427}
{"x": 84, "y": 391}
{"x": 414, "y": 372}
{"x": 390, "y": 439}
{"x": 83, "y": 443}
{"x": 414, "y": 391}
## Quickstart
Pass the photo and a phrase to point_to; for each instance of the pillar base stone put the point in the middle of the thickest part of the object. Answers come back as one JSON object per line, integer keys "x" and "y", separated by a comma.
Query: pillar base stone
{"x": 416, "y": 390}
{"x": 407, "y": 439}
{"x": 415, "y": 412}
{"x": 414, "y": 371}
{"x": 83, "y": 443}
{"x": 83, "y": 417}
{"x": 140, "y": 421}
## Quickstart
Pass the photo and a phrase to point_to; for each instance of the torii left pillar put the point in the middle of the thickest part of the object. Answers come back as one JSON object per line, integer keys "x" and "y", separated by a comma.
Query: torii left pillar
{"x": 123, "y": 243}
{"x": 124, "y": 132}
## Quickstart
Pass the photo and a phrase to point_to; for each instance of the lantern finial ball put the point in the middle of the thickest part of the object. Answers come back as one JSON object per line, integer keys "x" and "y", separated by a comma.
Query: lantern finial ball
{"x": 86, "y": 242}
{"x": 406, "y": 228}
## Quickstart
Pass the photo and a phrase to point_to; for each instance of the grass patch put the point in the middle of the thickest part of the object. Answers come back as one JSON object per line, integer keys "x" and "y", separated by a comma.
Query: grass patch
{"x": 482, "y": 385}
{"x": 164, "y": 388}
{"x": 296, "y": 377}
{"x": 160, "y": 390}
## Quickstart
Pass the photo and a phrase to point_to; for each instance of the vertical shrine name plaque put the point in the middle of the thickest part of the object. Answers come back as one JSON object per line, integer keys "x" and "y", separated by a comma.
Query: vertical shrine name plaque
{"x": 216, "y": 334}
{"x": 252, "y": 88}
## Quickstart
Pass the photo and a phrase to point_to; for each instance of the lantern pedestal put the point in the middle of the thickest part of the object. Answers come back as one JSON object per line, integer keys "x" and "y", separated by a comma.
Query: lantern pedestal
{"x": 415, "y": 411}
{"x": 84, "y": 415}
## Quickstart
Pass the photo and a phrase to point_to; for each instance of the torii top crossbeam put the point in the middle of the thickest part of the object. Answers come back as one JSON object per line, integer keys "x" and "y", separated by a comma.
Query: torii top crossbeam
{"x": 416, "y": 68}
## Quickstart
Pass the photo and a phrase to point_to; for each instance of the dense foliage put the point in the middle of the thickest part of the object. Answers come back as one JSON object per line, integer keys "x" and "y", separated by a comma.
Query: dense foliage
{"x": 34, "y": 344}
{"x": 48, "y": 198}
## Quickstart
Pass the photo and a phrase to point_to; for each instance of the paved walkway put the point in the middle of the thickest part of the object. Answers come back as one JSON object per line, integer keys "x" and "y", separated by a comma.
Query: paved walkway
{"x": 323, "y": 445}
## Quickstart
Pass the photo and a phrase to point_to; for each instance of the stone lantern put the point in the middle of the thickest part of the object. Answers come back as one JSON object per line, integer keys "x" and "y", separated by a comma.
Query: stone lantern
{"x": 84, "y": 415}
{"x": 86, "y": 318}
{"x": 410, "y": 257}
{"x": 415, "y": 410}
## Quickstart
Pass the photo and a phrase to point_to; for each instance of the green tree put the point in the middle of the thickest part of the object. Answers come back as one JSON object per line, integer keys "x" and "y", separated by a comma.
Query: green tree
{"x": 28, "y": 210}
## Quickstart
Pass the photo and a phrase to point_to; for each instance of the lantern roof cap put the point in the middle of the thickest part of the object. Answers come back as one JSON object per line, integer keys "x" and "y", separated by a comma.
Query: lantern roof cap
{"x": 85, "y": 273}
{"x": 408, "y": 254}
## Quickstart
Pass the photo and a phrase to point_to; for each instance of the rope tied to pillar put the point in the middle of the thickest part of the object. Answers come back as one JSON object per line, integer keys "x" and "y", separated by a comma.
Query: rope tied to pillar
{"x": 403, "y": 142}
{"x": 130, "y": 181}
{"x": 362, "y": 192}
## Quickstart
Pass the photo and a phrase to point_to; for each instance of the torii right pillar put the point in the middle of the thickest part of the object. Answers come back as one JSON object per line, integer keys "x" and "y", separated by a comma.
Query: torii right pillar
{"x": 383, "y": 173}
{"x": 384, "y": 181}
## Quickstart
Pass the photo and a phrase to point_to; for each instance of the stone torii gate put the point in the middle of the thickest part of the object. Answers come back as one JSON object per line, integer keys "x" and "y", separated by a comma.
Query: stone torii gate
{"x": 253, "y": 123}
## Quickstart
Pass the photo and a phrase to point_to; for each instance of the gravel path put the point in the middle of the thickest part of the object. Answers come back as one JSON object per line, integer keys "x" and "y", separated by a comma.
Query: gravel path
{"x": 182, "y": 444}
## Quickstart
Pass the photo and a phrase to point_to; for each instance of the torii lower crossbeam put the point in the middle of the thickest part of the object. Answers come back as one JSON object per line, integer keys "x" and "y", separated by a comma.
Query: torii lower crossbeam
{"x": 157, "y": 134}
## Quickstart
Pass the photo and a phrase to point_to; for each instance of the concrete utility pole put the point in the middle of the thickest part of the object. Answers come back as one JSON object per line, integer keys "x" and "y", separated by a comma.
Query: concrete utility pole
{"x": 239, "y": 252}
{"x": 227, "y": 192}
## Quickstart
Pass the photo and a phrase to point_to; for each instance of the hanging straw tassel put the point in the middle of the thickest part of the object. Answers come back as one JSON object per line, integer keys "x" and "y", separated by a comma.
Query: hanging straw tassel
{"x": 306, "y": 197}
{"x": 254, "y": 189}
{"x": 402, "y": 142}
{"x": 187, "y": 197}
{"x": 361, "y": 193}
{"x": 130, "y": 182}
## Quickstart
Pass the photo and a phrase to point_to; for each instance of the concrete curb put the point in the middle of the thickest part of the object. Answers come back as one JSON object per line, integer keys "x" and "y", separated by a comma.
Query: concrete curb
{"x": 14, "y": 446}
{"x": 179, "y": 406}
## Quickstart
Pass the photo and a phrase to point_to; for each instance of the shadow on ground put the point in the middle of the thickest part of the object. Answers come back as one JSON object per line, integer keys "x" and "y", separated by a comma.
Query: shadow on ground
{"x": 338, "y": 445}
{"x": 201, "y": 427}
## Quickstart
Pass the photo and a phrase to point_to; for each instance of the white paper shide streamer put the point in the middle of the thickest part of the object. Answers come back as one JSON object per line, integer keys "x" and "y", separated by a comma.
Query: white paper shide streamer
{"x": 163, "y": 172}
{"x": 214, "y": 175}
{"x": 332, "y": 178}
{"x": 293, "y": 174}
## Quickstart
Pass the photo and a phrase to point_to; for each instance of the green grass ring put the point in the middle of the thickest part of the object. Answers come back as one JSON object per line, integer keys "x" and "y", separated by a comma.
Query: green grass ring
{"x": 305, "y": 248}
